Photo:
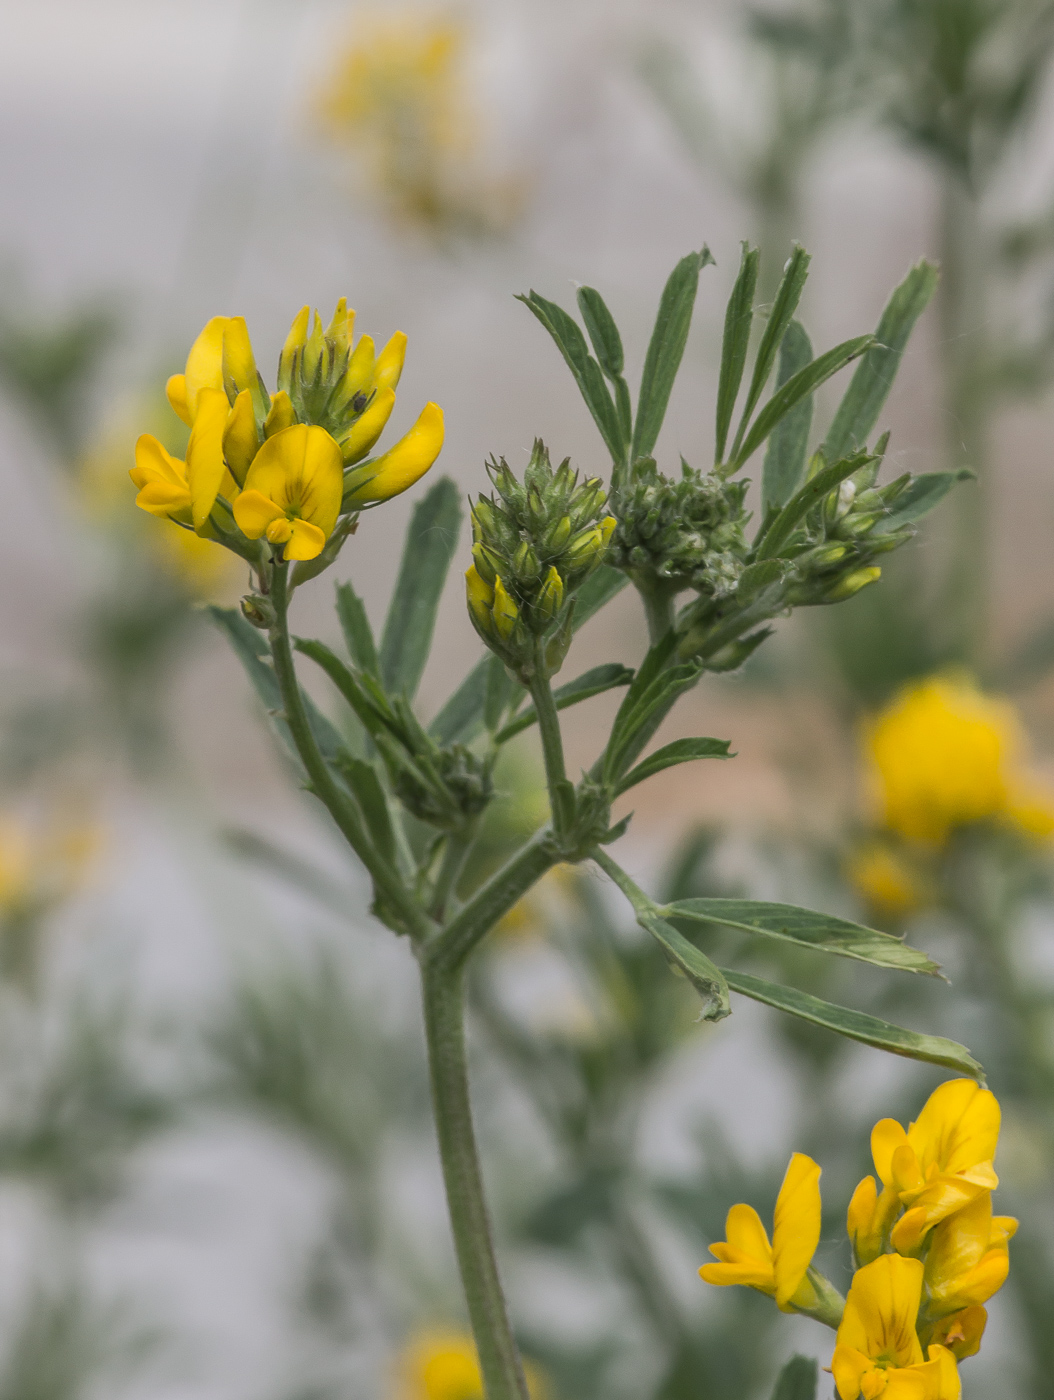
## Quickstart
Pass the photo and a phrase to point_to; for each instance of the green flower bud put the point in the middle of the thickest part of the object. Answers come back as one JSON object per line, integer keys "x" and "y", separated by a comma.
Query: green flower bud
{"x": 559, "y": 534}
{"x": 853, "y": 583}
{"x": 487, "y": 562}
{"x": 525, "y": 563}
{"x": 551, "y": 597}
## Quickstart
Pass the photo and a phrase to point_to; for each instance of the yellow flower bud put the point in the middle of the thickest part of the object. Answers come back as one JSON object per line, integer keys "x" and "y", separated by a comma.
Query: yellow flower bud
{"x": 607, "y": 528}
{"x": 294, "y": 344}
{"x": 241, "y": 441}
{"x": 358, "y": 377}
{"x": 402, "y": 464}
{"x": 205, "y": 465}
{"x": 367, "y": 428}
{"x": 551, "y": 596}
{"x": 853, "y": 583}
{"x": 389, "y": 365}
{"x": 480, "y": 597}
{"x": 486, "y": 562}
{"x": 282, "y": 414}
{"x": 340, "y": 328}
{"x": 314, "y": 351}
{"x": 238, "y": 361}
{"x": 505, "y": 612}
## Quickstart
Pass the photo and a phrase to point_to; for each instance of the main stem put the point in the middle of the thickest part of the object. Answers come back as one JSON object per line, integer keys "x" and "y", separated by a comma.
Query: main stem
{"x": 499, "y": 1359}
{"x": 551, "y": 737}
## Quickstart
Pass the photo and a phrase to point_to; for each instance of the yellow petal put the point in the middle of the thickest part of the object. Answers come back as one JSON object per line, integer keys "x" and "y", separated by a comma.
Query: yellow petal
{"x": 340, "y": 328}
{"x": 176, "y": 393}
{"x": 480, "y": 595}
{"x": 962, "y": 1332}
{"x": 306, "y": 541}
{"x": 282, "y": 414}
{"x": 505, "y": 613}
{"x": 746, "y": 1233}
{"x": 882, "y": 1308}
{"x": 849, "y": 1367}
{"x": 939, "y": 1198}
{"x": 254, "y": 512}
{"x": 886, "y": 1137}
{"x": 205, "y": 363}
{"x": 958, "y": 1243}
{"x": 949, "y": 1386}
{"x": 368, "y": 427}
{"x": 241, "y": 441}
{"x": 957, "y": 1128}
{"x": 239, "y": 362}
{"x": 796, "y": 1225}
{"x": 389, "y": 365}
{"x": 745, "y": 1272}
{"x": 205, "y": 465}
{"x": 154, "y": 462}
{"x": 294, "y": 345}
{"x": 300, "y": 469}
{"x": 402, "y": 464}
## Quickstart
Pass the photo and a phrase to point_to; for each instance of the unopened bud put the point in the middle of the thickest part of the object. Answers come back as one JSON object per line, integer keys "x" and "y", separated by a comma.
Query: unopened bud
{"x": 487, "y": 562}
{"x": 505, "y": 612}
{"x": 258, "y": 611}
{"x": 852, "y": 583}
{"x": 292, "y": 349}
{"x": 559, "y": 534}
{"x": 525, "y": 564}
{"x": 551, "y": 597}
{"x": 480, "y": 596}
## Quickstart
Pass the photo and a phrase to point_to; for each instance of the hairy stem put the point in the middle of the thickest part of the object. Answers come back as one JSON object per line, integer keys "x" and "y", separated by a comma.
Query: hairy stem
{"x": 444, "y": 1027}
{"x": 337, "y": 803}
{"x": 552, "y": 740}
{"x": 658, "y": 607}
{"x": 457, "y": 848}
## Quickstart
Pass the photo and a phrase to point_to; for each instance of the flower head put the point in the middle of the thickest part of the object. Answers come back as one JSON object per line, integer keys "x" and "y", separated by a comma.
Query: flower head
{"x": 780, "y": 1268}
{"x": 292, "y": 491}
{"x": 943, "y": 755}
{"x": 877, "y": 1351}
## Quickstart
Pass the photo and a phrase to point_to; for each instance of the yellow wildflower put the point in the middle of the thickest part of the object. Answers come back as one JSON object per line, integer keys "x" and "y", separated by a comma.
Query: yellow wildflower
{"x": 968, "y": 1258}
{"x": 401, "y": 465}
{"x": 779, "y": 1269}
{"x": 882, "y": 876}
{"x": 292, "y": 491}
{"x": 961, "y": 1333}
{"x": 877, "y": 1351}
{"x": 442, "y": 1365}
{"x": 944, "y": 755}
{"x": 943, "y": 1161}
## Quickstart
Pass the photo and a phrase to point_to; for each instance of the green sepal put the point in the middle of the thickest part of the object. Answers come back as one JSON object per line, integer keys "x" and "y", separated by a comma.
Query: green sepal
{"x": 779, "y": 531}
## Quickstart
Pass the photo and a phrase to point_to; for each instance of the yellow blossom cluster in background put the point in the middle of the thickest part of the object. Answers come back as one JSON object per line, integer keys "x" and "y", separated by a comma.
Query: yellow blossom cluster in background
{"x": 927, "y": 1250}
{"x": 442, "y": 1365}
{"x": 41, "y": 866}
{"x": 399, "y": 101}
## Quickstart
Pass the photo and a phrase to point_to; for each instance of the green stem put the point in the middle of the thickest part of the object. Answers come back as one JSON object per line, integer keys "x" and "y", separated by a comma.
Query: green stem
{"x": 552, "y": 741}
{"x": 444, "y": 1027}
{"x": 639, "y": 901}
{"x": 339, "y": 806}
{"x": 457, "y": 848}
{"x": 658, "y": 607}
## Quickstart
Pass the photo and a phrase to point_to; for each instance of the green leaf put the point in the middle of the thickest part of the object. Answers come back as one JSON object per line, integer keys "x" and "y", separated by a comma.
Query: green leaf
{"x": 572, "y": 345}
{"x": 666, "y": 349}
{"x": 371, "y": 709}
{"x": 696, "y": 966}
{"x": 462, "y": 715}
{"x": 798, "y": 1380}
{"x": 362, "y": 779}
{"x": 823, "y": 932}
{"x": 593, "y": 682}
{"x": 919, "y": 497}
{"x": 798, "y": 387}
{"x": 856, "y": 1025}
{"x": 739, "y": 315}
{"x": 778, "y": 532}
{"x": 430, "y": 543}
{"x": 644, "y": 717}
{"x": 858, "y": 412}
{"x": 783, "y": 308}
{"x": 787, "y": 455}
{"x": 253, "y": 651}
{"x": 680, "y": 751}
{"x": 607, "y": 343}
{"x": 358, "y": 634}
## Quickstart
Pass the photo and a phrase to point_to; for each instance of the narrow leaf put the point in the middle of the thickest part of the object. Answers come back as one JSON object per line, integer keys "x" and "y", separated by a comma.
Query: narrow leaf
{"x": 680, "y": 751}
{"x": 666, "y": 349}
{"x": 823, "y": 932}
{"x": 362, "y": 779}
{"x": 919, "y": 497}
{"x": 787, "y": 455}
{"x": 779, "y": 531}
{"x": 646, "y": 716}
{"x": 707, "y": 979}
{"x": 594, "y": 682}
{"x": 798, "y": 1380}
{"x": 371, "y": 710}
{"x": 856, "y": 1025}
{"x": 599, "y": 322}
{"x": 783, "y": 308}
{"x": 798, "y": 387}
{"x": 431, "y": 539}
{"x": 358, "y": 634}
{"x": 739, "y": 315}
{"x": 858, "y": 412}
{"x": 572, "y": 345}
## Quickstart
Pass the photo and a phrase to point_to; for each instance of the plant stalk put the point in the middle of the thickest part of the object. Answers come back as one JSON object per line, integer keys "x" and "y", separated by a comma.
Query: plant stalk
{"x": 552, "y": 740}
{"x": 499, "y": 1358}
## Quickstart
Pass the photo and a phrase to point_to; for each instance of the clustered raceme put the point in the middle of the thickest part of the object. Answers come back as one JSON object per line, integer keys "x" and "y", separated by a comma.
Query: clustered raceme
{"x": 284, "y": 468}
{"x": 535, "y": 543}
{"x": 682, "y": 534}
{"x": 928, "y": 1252}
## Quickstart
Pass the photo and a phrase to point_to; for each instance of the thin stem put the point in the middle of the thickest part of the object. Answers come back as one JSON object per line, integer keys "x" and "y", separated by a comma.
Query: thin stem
{"x": 639, "y": 901}
{"x": 444, "y": 1027}
{"x": 340, "y": 807}
{"x": 552, "y": 740}
{"x": 457, "y": 848}
{"x": 658, "y": 607}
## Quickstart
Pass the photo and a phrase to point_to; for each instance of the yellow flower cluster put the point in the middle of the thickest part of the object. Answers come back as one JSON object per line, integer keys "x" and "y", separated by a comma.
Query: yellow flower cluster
{"x": 283, "y": 467}
{"x": 442, "y": 1365}
{"x": 927, "y": 1249}
{"x": 944, "y": 755}
{"x": 398, "y": 99}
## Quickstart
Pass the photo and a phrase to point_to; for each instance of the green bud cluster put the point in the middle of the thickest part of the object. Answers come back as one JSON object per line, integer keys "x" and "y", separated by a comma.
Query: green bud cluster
{"x": 684, "y": 534}
{"x": 457, "y": 788}
{"x": 534, "y": 543}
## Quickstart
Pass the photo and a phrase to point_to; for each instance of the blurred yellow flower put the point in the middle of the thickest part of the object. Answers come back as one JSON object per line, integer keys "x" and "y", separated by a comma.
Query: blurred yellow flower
{"x": 442, "y": 1365}
{"x": 399, "y": 100}
{"x": 40, "y": 867}
{"x": 943, "y": 755}
{"x": 883, "y": 877}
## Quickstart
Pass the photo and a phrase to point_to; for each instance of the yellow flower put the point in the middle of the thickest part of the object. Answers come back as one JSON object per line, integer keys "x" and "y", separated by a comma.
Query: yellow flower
{"x": 442, "y": 1365}
{"x": 944, "y": 755}
{"x": 401, "y": 465}
{"x": 292, "y": 491}
{"x": 877, "y": 1351}
{"x": 882, "y": 876}
{"x": 943, "y": 1161}
{"x": 869, "y": 1218}
{"x": 162, "y": 481}
{"x": 968, "y": 1258}
{"x": 961, "y": 1333}
{"x": 780, "y": 1268}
